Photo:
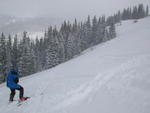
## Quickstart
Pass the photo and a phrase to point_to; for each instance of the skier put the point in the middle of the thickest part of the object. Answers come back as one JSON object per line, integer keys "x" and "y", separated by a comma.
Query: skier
{"x": 12, "y": 83}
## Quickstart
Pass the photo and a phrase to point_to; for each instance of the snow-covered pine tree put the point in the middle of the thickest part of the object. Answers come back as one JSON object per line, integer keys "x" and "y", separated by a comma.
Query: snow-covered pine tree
{"x": 76, "y": 35}
{"x": 112, "y": 31}
{"x": 94, "y": 31}
{"x": 61, "y": 48}
{"x": 147, "y": 10}
{"x": 25, "y": 60}
{"x": 64, "y": 32}
{"x": 32, "y": 58}
{"x": 70, "y": 46}
{"x": 88, "y": 33}
{"x": 124, "y": 14}
{"x": 52, "y": 51}
{"x": 118, "y": 17}
{"x": 106, "y": 35}
{"x": 3, "y": 57}
{"x": 141, "y": 11}
{"x": 42, "y": 48}
{"x": 100, "y": 30}
{"x": 15, "y": 52}
{"x": 37, "y": 51}
{"x": 135, "y": 13}
{"x": 9, "y": 54}
{"x": 110, "y": 20}
{"x": 82, "y": 34}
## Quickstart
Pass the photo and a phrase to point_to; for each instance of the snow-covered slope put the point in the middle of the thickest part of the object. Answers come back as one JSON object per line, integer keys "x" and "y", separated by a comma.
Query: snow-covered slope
{"x": 113, "y": 77}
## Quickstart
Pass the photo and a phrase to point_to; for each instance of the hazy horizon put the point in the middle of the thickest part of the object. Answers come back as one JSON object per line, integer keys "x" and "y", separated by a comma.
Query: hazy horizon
{"x": 65, "y": 8}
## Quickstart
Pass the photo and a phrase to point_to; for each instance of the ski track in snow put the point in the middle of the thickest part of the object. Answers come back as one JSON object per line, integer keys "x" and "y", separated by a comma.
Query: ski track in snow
{"x": 102, "y": 79}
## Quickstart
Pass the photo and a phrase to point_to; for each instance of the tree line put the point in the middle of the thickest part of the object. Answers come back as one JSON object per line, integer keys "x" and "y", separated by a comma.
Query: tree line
{"x": 60, "y": 45}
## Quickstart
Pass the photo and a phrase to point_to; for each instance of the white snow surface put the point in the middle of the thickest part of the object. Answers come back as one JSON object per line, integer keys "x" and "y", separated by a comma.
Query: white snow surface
{"x": 113, "y": 77}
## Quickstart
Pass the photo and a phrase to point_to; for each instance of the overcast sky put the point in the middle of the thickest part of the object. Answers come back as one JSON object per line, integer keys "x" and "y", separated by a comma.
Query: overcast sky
{"x": 64, "y": 8}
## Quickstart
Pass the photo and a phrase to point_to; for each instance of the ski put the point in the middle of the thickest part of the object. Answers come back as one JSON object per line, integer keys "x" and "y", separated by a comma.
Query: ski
{"x": 21, "y": 102}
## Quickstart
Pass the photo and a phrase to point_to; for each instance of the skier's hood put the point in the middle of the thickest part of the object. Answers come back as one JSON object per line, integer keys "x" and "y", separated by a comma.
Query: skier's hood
{"x": 14, "y": 70}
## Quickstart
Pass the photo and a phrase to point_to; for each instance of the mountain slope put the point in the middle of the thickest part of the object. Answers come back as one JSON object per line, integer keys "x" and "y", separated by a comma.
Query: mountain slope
{"x": 109, "y": 78}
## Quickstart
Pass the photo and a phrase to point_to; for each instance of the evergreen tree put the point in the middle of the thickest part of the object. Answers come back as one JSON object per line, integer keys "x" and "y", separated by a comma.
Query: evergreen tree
{"x": 124, "y": 15}
{"x": 61, "y": 49}
{"x": 110, "y": 20}
{"x": 88, "y": 33}
{"x": 118, "y": 17}
{"x": 9, "y": 54}
{"x": 32, "y": 59}
{"x": 75, "y": 37}
{"x": 100, "y": 30}
{"x": 70, "y": 46}
{"x": 112, "y": 31}
{"x": 141, "y": 11}
{"x": 65, "y": 31}
{"x": 38, "y": 59}
{"x": 94, "y": 31}
{"x": 106, "y": 35}
{"x": 15, "y": 52}
{"x": 147, "y": 10}
{"x": 52, "y": 51}
{"x": 26, "y": 64}
{"x": 85, "y": 35}
{"x": 3, "y": 57}
{"x": 83, "y": 38}
{"x": 135, "y": 13}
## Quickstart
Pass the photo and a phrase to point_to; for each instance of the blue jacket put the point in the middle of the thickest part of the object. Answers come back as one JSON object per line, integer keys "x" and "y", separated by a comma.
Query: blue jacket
{"x": 12, "y": 80}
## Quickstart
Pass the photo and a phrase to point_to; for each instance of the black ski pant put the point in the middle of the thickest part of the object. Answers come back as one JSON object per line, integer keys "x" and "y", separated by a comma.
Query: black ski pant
{"x": 13, "y": 92}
